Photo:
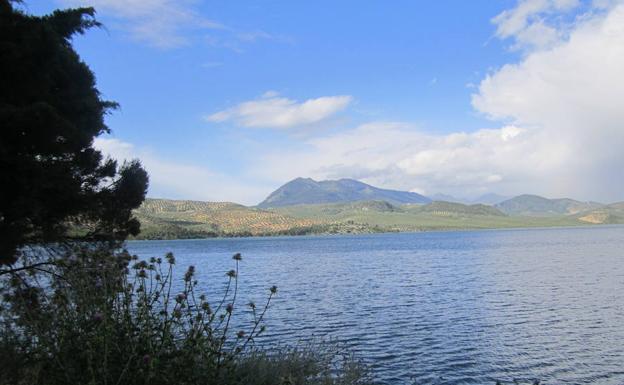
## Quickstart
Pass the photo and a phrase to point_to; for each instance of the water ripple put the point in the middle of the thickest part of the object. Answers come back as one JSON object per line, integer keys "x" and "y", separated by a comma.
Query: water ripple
{"x": 439, "y": 308}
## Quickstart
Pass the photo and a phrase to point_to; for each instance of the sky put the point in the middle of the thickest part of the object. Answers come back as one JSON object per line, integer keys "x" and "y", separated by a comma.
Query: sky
{"x": 228, "y": 100}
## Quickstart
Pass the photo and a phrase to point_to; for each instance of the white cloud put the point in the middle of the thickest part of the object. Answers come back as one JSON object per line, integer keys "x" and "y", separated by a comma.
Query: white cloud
{"x": 273, "y": 111}
{"x": 171, "y": 23}
{"x": 161, "y": 23}
{"x": 527, "y": 22}
{"x": 572, "y": 93}
{"x": 397, "y": 155}
{"x": 176, "y": 180}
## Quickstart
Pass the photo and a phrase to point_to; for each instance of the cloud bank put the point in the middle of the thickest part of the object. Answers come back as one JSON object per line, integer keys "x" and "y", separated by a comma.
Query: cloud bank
{"x": 397, "y": 155}
{"x": 562, "y": 120}
{"x": 572, "y": 94}
{"x": 176, "y": 180}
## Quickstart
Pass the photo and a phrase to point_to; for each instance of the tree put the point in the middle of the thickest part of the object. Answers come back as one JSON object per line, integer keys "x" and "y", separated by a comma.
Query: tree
{"x": 55, "y": 187}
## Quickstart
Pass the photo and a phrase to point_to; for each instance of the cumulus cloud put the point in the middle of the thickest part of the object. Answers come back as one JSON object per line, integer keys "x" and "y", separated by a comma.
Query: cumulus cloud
{"x": 572, "y": 94}
{"x": 398, "y": 155}
{"x": 274, "y": 111}
{"x": 176, "y": 180}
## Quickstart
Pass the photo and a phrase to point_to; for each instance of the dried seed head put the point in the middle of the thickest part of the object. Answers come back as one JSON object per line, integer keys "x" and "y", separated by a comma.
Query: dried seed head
{"x": 97, "y": 317}
{"x": 189, "y": 273}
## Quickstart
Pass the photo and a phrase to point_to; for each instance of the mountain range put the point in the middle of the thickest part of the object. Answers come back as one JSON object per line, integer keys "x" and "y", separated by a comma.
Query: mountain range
{"x": 305, "y": 206}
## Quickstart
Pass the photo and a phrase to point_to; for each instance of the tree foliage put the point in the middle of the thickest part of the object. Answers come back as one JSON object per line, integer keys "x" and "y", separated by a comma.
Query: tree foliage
{"x": 52, "y": 178}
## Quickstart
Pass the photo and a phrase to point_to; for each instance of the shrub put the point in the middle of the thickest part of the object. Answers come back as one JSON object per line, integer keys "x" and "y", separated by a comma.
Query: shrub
{"x": 98, "y": 317}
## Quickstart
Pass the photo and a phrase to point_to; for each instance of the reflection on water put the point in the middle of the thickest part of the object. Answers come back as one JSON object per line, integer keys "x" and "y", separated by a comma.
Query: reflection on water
{"x": 439, "y": 308}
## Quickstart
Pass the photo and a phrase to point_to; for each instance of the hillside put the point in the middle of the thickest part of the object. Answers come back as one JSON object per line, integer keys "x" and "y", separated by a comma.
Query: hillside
{"x": 170, "y": 219}
{"x": 432, "y": 216}
{"x": 489, "y": 199}
{"x": 308, "y": 191}
{"x": 608, "y": 214}
{"x": 485, "y": 199}
{"x": 163, "y": 218}
{"x": 453, "y": 208}
{"x": 534, "y": 205}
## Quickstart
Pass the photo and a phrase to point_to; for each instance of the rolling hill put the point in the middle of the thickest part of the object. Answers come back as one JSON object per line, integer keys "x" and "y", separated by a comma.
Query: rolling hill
{"x": 172, "y": 219}
{"x": 308, "y": 191}
{"x": 607, "y": 214}
{"x": 454, "y": 208}
{"x": 166, "y": 219}
{"x": 534, "y": 205}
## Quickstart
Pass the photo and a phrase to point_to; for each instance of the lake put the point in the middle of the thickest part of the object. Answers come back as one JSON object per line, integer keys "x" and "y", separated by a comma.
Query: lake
{"x": 467, "y": 307}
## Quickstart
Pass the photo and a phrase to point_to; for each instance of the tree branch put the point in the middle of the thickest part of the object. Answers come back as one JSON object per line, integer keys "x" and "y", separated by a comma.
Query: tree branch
{"x": 34, "y": 266}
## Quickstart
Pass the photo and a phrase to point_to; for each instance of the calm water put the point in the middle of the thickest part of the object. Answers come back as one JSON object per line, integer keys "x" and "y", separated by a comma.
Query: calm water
{"x": 439, "y": 307}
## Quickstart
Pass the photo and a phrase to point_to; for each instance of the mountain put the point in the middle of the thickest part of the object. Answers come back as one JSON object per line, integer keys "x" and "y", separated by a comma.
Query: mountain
{"x": 447, "y": 198}
{"x": 490, "y": 199}
{"x": 453, "y": 208}
{"x": 485, "y": 199}
{"x": 308, "y": 191}
{"x": 535, "y": 205}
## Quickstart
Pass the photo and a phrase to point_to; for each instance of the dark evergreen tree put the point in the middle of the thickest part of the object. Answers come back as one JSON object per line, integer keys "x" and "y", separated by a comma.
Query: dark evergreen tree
{"x": 52, "y": 180}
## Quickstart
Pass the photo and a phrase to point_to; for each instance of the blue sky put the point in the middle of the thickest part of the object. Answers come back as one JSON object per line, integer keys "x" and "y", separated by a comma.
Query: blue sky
{"x": 226, "y": 100}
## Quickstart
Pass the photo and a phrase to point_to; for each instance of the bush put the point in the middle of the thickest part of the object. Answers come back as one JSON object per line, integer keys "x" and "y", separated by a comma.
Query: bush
{"x": 98, "y": 317}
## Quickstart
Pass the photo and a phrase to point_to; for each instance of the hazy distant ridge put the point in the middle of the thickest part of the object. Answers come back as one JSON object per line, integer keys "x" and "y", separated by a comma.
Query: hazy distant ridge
{"x": 535, "y": 205}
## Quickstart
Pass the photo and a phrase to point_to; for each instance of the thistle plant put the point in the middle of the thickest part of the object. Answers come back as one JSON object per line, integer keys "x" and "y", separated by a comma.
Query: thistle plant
{"x": 110, "y": 318}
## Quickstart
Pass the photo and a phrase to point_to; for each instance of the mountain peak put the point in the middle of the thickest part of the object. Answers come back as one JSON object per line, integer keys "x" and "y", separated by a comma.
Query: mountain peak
{"x": 308, "y": 191}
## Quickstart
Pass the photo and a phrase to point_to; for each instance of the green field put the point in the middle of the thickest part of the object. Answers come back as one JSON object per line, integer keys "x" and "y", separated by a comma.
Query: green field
{"x": 435, "y": 216}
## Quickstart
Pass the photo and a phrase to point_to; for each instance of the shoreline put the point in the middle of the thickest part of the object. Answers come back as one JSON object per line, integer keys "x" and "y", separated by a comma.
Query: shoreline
{"x": 320, "y": 235}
